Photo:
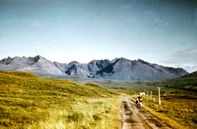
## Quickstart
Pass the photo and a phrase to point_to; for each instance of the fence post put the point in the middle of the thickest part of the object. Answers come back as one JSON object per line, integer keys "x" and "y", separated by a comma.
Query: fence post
{"x": 147, "y": 92}
{"x": 159, "y": 96}
{"x": 150, "y": 95}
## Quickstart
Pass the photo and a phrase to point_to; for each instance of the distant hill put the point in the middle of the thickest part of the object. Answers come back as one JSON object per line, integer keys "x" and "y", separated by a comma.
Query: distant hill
{"x": 186, "y": 82}
{"x": 191, "y": 75}
{"x": 119, "y": 68}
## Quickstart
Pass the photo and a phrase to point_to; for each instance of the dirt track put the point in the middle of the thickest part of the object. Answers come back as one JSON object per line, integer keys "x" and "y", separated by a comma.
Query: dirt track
{"x": 137, "y": 118}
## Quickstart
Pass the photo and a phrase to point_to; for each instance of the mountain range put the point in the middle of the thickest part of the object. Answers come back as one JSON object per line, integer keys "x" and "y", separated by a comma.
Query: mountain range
{"x": 119, "y": 68}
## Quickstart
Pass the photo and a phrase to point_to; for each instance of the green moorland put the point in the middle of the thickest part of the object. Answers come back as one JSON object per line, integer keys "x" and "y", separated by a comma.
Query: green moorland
{"x": 27, "y": 101}
{"x": 187, "y": 82}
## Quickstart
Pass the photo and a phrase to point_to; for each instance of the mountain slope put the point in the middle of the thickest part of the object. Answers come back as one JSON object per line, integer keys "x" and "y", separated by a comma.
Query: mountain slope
{"x": 97, "y": 65}
{"x": 119, "y": 68}
{"x": 37, "y": 64}
{"x": 77, "y": 69}
{"x": 139, "y": 70}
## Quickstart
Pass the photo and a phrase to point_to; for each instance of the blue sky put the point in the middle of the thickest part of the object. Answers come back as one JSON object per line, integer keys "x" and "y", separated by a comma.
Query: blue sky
{"x": 158, "y": 31}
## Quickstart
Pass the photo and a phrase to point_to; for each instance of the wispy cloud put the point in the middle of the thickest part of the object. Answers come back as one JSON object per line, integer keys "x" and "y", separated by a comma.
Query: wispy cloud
{"x": 187, "y": 52}
{"x": 186, "y": 59}
{"x": 159, "y": 20}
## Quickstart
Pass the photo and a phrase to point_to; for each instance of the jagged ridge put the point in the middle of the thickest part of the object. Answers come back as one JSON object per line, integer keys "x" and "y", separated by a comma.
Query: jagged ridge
{"x": 119, "y": 68}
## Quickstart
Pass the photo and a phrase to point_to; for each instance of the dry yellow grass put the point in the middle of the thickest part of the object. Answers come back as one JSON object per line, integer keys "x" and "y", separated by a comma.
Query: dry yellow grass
{"x": 93, "y": 114}
{"x": 27, "y": 101}
{"x": 177, "y": 110}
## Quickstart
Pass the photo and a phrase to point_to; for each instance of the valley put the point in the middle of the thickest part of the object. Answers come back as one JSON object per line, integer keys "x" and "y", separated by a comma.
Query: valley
{"x": 98, "y": 64}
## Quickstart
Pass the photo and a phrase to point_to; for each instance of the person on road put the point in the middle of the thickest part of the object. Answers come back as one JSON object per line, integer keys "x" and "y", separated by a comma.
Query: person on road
{"x": 139, "y": 99}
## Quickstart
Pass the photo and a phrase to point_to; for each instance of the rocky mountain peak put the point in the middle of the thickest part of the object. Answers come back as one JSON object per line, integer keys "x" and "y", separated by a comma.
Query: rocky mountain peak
{"x": 73, "y": 62}
{"x": 6, "y": 61}
{"x": 38, "y": 57}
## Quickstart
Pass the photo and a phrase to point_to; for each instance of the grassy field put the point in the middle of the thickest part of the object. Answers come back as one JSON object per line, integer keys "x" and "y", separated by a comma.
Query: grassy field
{"x": 27, "y": 101}
{"x": 179, "y": 106}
